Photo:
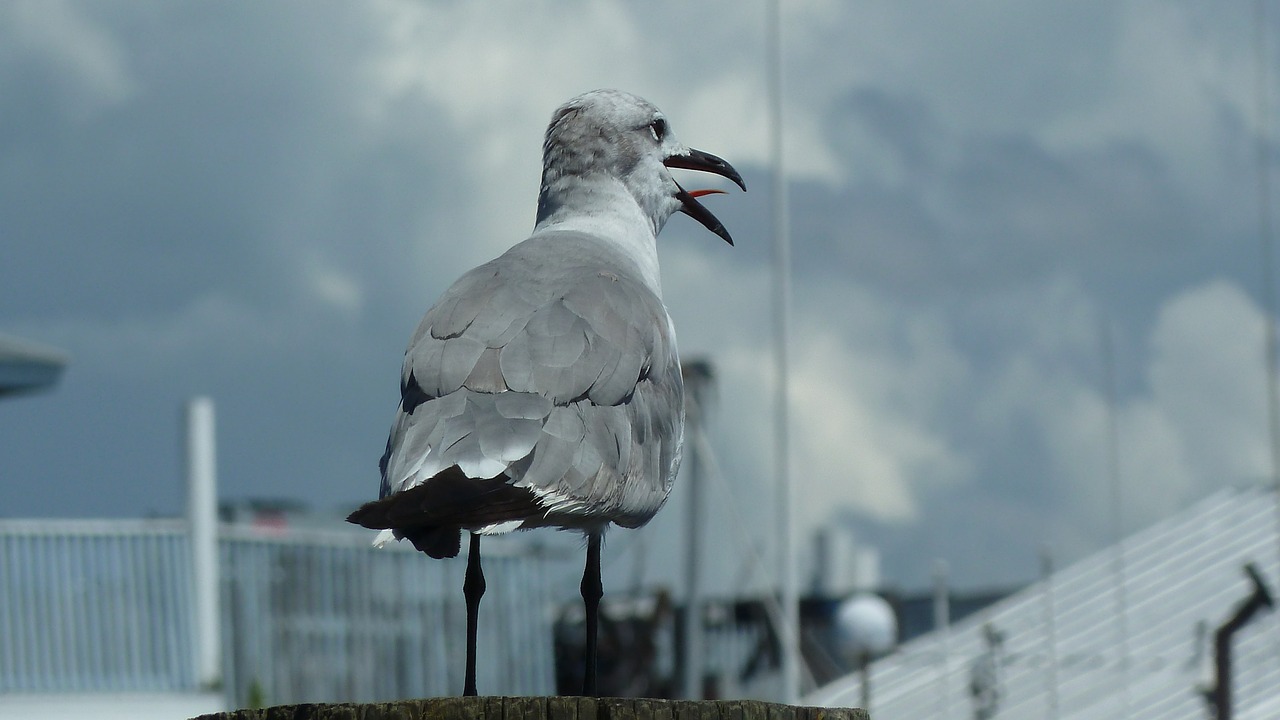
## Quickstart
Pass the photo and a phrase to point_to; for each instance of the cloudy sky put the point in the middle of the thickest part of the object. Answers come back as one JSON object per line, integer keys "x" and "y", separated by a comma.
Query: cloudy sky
{"x": 258, "y": 201}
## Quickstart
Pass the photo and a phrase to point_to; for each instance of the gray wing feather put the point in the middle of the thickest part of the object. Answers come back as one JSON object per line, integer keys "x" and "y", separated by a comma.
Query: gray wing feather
{"x": 551, "y": 459}
{"x": 503, "y": 316}
{"x": 458, "y": 307}
{"x": 525, "y": 406}
{"x": 456, "y": 362}
{"x": 548, "y": 356}
{"x": 565, "y": 379}
{"x": 486, "y": 375}
{"x": 617, "y": 379}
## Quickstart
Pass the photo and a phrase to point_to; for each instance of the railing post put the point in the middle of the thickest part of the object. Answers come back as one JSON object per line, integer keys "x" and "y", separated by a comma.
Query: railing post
{"x": 202, "y": 519}
{"x": 698, "y": 378}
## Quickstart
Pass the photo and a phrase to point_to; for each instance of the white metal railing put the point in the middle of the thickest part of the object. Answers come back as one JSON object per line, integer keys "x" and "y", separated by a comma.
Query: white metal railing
{"x": 88, "y": 606}
{"x": 306, "y": 616}
{"x": 358, "y": 623}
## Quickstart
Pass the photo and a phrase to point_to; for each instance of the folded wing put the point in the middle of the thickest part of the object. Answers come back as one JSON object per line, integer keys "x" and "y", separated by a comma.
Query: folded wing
{"x": 561, "y": 383}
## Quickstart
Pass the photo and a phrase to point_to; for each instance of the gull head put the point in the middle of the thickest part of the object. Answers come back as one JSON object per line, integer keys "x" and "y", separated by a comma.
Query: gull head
{"x": 609, "y": 138}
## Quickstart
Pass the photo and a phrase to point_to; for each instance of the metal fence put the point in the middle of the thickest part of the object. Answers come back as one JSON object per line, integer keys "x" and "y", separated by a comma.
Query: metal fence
{"x": 324, "y": 617}
{"x": 92, "y": 606}
{"x": 105, "y": 606}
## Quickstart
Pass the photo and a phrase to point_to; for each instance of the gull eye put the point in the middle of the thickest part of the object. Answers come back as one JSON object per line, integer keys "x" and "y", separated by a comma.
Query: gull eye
{"x": 659, "y": 129}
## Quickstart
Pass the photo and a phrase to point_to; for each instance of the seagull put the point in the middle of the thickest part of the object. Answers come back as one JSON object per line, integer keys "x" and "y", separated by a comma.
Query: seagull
{"x": 543, "y": 388}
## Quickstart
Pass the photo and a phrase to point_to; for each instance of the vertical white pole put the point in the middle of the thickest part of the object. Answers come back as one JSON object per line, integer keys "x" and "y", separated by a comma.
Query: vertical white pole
{"x": 942, "y": 625}
{"x": 1051, "y": 634}
{"x": 787, "y": 570}
{"x": 1119, "y": 570}
{"x": 697, "y": 377}
{"x": 202, "y": 517}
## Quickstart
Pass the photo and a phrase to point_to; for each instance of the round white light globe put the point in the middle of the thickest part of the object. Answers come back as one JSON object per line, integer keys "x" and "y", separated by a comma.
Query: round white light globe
{"x": 865, "y": 624}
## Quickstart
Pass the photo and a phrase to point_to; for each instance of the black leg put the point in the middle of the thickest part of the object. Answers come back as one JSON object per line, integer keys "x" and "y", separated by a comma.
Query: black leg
{"x": 472, "y": 591}
{"x": 592, "y": 591}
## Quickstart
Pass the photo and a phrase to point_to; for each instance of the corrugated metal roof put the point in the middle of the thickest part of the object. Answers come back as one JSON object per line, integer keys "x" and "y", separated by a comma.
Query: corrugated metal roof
{"x": 1065, "y": 650}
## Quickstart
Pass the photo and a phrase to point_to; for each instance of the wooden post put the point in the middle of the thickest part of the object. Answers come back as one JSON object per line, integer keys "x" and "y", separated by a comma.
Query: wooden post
{"x": 545, "y": 708}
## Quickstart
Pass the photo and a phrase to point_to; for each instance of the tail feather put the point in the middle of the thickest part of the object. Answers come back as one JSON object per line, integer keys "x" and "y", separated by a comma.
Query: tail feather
{"x": 433, "y": 514}
{"x": 437, "y": 542}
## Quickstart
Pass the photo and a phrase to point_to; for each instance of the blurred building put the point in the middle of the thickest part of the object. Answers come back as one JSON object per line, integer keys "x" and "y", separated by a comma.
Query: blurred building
{"x": 26, "y": 366}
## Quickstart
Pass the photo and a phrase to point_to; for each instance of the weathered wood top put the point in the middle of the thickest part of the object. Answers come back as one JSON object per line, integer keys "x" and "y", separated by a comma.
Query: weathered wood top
{"x": 544, "y": 708}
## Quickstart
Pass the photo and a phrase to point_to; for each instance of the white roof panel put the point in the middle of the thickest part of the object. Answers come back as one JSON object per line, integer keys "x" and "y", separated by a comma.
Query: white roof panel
{"x": 1105, "y": 639}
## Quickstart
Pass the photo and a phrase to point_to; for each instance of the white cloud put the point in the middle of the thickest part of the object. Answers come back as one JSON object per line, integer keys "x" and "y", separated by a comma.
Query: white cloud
{"x": 855, "y": 449}
{"x": 336, "y": 288}
{"x": 1173, "y": 76}
{"x": 410, "y": 151}
{"x": 1195, "y": 423}
{"x": 891, "y": 410}
{"x": 499, "y": 70}
{"x": 85, "y": 57}
{"x": 868, "y": 383}
{"x": 128, "y": 350}
{"x": 1207, "y": 374}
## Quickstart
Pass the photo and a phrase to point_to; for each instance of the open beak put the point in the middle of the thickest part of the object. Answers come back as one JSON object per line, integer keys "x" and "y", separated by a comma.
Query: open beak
{"x": 689, "y": 205}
